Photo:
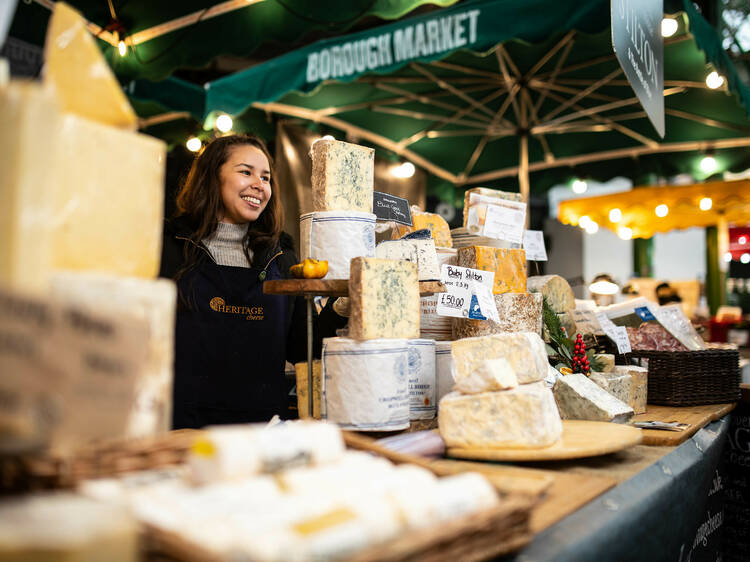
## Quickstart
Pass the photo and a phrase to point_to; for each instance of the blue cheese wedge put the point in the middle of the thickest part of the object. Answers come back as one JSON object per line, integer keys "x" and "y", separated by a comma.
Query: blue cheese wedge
{"x": 524, "y": 417}
{"x": 555, "y": 289}
{"x": 639, "y": 394}
{"x": 342, "y": 176}
{"x": 384, "y": 299}
{"x": 579, "y": 398}
{"x": 524, "y": 351}
{"x": 421, "y": 252}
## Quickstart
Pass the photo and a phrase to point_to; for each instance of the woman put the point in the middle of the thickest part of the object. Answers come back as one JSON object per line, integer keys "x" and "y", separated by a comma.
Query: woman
{"x": 225, "y": 241}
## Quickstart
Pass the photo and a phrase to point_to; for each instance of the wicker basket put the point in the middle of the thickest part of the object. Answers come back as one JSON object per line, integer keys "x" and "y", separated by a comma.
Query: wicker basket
{"x": 480, "y": 536}
{"x": 691, "y": 378}
{"x": 44, "y": 471}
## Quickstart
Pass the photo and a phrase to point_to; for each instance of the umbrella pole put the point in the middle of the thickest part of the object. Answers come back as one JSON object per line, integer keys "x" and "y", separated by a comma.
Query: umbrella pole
{"x": 523, "y": 174}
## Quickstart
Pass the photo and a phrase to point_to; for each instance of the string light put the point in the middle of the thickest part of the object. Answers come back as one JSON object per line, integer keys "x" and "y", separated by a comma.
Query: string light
{"x": 592, "y": 227}
{"x": 661, "y": 210}
{"x": 615, "y": 215}
{"x": 742, "y": 239}
{"x": 584, "y": 221}
{"x": 728, "y": 257}
{"x": 706, "y": 204}
{"x": 625, "y": 233}
{"x": 579, "y": 186}
{"x": 708, "y": 164}
{"x": 405, "y": 170}
{"x": 745, "y": 258}
{"x": 714, "y": 80}
{"x": 224, "y": 123}
{"x": 668, "y": 27}
{"x": 193, "y": 144}
{"x": 122, "y": 48}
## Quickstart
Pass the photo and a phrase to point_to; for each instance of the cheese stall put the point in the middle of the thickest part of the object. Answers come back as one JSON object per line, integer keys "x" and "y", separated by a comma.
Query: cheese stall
{"x": 452, "y": 354}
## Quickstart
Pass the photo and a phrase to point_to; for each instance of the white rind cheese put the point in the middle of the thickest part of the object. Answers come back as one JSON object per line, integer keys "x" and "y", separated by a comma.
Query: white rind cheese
{"x": 422, "y": 383}
{"x": 493, "y": 374}
{"x": 337, "y": 237}
{"x": 524, "y": 352}
{"x": 384, "y": 299}
{"x": 579, "y": 398}
{"x": 518, "y": 312}
{"x": 555, "y": 289}
{"x": 524, "y": 417}
{"x": 342, "y": 176}
{"x": 153, "y": 301}
{"x": 421, "y": 252}
{"x": 366, "y": 383}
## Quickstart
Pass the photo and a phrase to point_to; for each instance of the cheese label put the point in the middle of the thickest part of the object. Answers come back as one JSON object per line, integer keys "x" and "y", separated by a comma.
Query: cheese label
{"x": 533, "y": 243}
{"x": 388, "y": 207}
{"x": 586, "y": 322}
{"x": 505, "y": 220}
{"x": 485, "y": 302}
{"x": 618, "y": 334}
{"x": 460, "y": 283}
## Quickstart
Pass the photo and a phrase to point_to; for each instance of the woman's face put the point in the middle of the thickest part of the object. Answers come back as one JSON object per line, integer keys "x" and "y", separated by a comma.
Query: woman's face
{"x": 245, "y": 184}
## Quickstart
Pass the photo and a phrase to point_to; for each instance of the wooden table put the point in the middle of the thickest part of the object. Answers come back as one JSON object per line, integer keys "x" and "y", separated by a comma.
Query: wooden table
{"x": 696, "y": 416}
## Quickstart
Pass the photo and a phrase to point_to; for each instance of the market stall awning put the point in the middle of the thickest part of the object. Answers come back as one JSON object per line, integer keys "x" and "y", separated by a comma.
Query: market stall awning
{"x": 489, "y": 90}
{"x": 686, "y": 206}
{"x": 164, "y": 36}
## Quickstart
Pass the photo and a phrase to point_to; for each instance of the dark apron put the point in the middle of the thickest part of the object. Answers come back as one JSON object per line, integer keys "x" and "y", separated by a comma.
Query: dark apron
{"x": 230, "y": 347}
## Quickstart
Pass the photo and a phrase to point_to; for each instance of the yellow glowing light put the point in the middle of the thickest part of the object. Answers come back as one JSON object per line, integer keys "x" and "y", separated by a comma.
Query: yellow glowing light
{"x": 615, "y": 215}
{"x": 706, "y": 204}
{"x": 193, "y": 144}
{"x": 122, "y": 48}
{"x": 661, "y": 210}
{"x": 668, "y": 27}
{"x": 580, "y": 186}
{"x": 224, "y": 123}
{"x": 592, "y": 227}
{"x": 708, "y": 164}
{"x": 714, "y": 80}
{"x": 625, "y": 233}
{"x": 584, "y": 221}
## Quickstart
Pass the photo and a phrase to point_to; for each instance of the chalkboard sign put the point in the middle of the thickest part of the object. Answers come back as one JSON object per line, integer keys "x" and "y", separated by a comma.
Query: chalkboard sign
{"x": 391, "y": 208}
{"x": 737, "y": 459}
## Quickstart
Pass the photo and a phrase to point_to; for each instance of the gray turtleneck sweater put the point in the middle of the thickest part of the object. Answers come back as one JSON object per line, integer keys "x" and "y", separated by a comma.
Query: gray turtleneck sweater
{"x": 225, "y": 244}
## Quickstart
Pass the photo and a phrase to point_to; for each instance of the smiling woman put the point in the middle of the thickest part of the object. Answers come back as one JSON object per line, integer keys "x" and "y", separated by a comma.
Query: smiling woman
{"x": 231, "y": 339}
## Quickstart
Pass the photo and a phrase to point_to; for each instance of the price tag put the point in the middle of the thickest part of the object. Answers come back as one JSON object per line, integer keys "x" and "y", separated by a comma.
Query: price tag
{"x": 506, "y": 220}
{"x": 618, "y": 334}
{"x": 586, "y": 322}
{"x": 533, "y": 243}
{"x": 460, "y": 283}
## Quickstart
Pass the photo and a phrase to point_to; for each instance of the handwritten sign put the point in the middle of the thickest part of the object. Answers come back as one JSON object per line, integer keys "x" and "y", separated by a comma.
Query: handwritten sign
{"x": 460, "y": 283}
{"x": 618, "y": 334}
{"x": 533, "y": 243}
{"x": 391, "y": 208}
{"x": 505, "y": 220}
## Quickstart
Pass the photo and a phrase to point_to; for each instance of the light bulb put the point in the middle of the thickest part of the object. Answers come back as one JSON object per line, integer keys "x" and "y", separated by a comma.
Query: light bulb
{"x": 405, "y": 170}
{"x": 708, "y": 164}
{"x": 728, "y": 257}
{"x": 122, "y": 48}
{"x": 625, "y": 233}
{"x": 668, "y": 27}
{"x": 714, "y": 80}
{"x": 661, "y": 210}
{"x": 592, "y": 227}
{"x": 224, "y": 123}
{"x": 745, "y": 258}
{"x": 193, "y": 144}
{"x": 706, "y": 204}
{"x": 615, "y": 215}
{"x": 742, "y": 239}
{"x": 579, "y": 186}
{"x": 584, "y": 221}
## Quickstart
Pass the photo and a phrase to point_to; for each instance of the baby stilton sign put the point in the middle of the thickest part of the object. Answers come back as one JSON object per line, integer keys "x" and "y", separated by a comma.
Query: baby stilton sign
{"x": 639, "y": 47}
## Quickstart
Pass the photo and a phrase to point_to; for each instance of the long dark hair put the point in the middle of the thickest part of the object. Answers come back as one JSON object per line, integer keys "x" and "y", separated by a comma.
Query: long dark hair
{"x": 199, "y": 200}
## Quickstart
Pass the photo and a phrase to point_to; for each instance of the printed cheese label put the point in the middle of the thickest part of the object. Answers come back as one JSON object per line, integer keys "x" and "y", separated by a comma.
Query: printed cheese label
{"x": 505, "y": 220}
{"x": 533, "y": 243}
{"x": 618, "y": 334}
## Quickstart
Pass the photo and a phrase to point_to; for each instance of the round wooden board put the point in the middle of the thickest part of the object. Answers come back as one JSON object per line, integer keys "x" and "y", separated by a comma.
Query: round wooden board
{"x": 579, "y": 439}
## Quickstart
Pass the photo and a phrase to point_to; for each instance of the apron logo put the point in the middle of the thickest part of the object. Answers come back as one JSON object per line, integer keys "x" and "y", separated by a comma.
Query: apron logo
{"x": 217, "y": 304}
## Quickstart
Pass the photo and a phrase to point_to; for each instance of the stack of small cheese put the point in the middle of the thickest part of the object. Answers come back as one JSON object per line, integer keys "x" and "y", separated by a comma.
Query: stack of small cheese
{"x": 292, "y": 492}
{"x": 500, "y": 398}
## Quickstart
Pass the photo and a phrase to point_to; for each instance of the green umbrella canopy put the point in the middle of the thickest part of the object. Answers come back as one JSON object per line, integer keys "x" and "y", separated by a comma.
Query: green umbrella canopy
{"x": 541, "y": 70}
{"x": 164, "y": 36}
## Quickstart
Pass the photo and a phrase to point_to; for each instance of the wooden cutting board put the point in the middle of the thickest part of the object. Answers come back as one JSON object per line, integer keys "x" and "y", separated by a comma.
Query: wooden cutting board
{"x": 330, "y": 287}
{"x": 696, "y": 416}
{"x": 579, "y": 439}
